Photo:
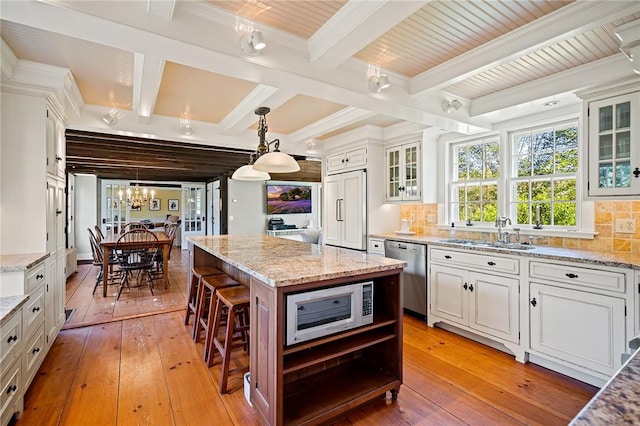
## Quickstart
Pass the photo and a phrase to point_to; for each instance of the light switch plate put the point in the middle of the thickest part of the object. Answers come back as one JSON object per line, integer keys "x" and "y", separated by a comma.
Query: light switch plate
{"x": 626, "y": 226}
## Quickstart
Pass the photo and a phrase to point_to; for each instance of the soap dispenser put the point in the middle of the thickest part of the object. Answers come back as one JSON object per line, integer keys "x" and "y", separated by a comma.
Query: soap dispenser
{"x": 452, "y": 230}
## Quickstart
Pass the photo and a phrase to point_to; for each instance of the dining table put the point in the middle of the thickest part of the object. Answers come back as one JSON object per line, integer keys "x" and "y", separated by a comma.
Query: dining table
{"x": 109, "y": 243}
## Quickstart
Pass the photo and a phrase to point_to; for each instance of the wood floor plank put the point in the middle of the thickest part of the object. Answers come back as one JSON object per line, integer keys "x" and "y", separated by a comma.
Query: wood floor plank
{"x": 139, "y": 403}
{"x": 45, "y": 399}
{"x": 94, "y": 391}
{"x": 193, "y": 394}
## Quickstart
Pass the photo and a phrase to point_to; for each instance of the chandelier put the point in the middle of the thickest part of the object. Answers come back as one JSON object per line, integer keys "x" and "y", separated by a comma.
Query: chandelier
{"x": 264, "y": 161}
{"x": 134, "y": 199}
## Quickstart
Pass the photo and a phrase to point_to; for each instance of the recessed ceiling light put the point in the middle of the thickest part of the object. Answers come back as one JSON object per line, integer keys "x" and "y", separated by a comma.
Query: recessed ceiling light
{"x": 550, "y": 103}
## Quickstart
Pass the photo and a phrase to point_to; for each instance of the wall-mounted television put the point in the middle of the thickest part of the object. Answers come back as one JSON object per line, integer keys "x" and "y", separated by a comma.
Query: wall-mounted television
{"x": 287, "y": 199}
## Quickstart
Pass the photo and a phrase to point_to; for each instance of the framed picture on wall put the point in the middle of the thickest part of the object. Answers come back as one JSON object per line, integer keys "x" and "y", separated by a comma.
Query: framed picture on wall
{"x": 154, "y": 204}
{"x": 173, "y": 205}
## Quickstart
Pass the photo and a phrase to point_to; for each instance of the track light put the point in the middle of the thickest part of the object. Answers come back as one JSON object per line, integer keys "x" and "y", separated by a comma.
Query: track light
{"x": 450, "y": 106}
{"x": 111, "y": 119}
{"x": 378, "y": 82}
{"x": 252, "y": 43}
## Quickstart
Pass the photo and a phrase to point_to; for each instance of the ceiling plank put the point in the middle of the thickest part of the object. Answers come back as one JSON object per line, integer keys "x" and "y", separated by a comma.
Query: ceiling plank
{"x": 146, "y": 83}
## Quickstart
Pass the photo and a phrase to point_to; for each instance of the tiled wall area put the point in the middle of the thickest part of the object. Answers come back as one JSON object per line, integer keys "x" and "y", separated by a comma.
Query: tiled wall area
{"x": 606, "y": 212}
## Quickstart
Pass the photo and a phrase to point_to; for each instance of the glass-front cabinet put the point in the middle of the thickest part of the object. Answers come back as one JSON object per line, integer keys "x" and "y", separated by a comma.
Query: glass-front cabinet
{"x": 614, "y": 146}
{"x": 403, "y": 172}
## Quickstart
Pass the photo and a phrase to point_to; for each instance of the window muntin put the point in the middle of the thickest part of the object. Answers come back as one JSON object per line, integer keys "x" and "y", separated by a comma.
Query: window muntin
{"x": 543, "y": 181}
{"x": 474, "y": 186}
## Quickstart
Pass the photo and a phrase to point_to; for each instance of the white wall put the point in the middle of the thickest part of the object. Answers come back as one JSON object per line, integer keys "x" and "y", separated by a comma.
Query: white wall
{"x": 247, "y": 210}
{"x": 86, "y": 212}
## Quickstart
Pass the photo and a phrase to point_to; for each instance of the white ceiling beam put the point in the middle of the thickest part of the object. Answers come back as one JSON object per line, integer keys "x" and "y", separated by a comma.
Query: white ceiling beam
{"x": 335, "y": 121}
{"x": 147, "y": 76}
{"x": 612, "y": 68}
{"x": 573, "y": 19}
{"x": 356, "y": 25}
{"x": 161, "y": 8}
{"x": 243, "y": 115}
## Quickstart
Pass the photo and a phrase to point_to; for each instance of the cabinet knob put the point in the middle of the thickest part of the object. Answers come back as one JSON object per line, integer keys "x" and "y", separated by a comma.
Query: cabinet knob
{"x": 39, "y": 277}
{"x": 446, "y": 256}
{"x": 465, "y": 286}
{"x": 471, "y": 287}
{"x": 636, "y": 172}
{"x": 11, "y": 389}
{"x": 58, "y": 212}
{"x": 342, "y": 161}
{"x": 491, "y": 263}
{"x": 533, "y": 302}
{"x": 35, "y": 350}
{"x": 35, "y": 309}
{"x": 58, "y": 158}
{"x": 12, "y": 338}
{"x": 570, "y": 275}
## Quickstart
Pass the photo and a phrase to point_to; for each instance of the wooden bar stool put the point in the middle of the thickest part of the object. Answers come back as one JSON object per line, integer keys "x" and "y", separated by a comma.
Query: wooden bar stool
{"x": 209, "y": 286}
{"x": 196, "y": 278}
{"x": 236, "y": 301}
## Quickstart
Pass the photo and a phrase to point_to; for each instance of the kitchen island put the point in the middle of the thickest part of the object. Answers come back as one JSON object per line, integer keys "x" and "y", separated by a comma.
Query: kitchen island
{"x": 317, "y": 380}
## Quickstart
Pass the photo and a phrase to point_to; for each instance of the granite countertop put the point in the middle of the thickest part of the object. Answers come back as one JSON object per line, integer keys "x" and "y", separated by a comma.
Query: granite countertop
{"x": 614, "y": 259}
{"x": 617, "y": 402}
{"x": 281, "y": 262}
{"x": 20, "y": 262}
{"x": 9, "y": 305}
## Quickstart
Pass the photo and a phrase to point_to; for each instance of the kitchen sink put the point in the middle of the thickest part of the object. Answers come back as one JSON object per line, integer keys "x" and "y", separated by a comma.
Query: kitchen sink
{"x": 495, "y": 244}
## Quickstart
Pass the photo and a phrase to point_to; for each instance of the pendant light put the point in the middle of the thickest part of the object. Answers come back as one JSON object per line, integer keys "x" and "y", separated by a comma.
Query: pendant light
{"x": 266, "y": 161}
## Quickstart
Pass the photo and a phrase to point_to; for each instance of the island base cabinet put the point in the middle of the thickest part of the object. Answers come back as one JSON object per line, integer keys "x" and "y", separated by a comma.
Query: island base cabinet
{"x": 582, "y": 329}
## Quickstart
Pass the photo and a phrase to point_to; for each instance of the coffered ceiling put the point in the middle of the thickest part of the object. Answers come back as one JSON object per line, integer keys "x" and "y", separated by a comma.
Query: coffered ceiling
{"x": 155, "y": 62}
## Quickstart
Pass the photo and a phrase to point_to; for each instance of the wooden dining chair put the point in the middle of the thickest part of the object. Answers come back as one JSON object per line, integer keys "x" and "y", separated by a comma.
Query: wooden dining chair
{"x": 136, "y": 251}
{"x": 98, "y": 256}
{"x": 170, "y": 230}
{"x": 98, "y": 234}
{"x": 132, "y": 225}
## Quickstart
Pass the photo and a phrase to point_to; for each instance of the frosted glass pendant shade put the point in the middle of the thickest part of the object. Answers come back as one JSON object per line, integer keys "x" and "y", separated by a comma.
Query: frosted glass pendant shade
{"x": 247, "y": 172}
{"x": 276, "y": 162}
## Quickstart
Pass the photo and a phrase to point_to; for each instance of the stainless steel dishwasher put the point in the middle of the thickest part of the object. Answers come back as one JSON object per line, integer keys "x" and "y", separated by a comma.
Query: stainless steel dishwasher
{"x": 415, "y": 273}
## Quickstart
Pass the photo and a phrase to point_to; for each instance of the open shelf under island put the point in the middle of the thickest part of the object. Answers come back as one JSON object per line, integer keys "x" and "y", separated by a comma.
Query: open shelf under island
{"x": 319, "y": 379}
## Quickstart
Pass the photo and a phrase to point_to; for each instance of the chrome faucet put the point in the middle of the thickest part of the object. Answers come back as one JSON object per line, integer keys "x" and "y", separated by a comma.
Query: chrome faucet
{"x": 501, "y": 222}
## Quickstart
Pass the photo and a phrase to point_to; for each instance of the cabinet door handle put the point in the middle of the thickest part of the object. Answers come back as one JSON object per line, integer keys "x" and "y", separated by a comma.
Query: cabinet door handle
{"x": 35, "y": 350}
{"x": 446, "y": 256}
{"x": 570, "y": 275}
{"x": 58, "y": 158}
{"x": 12, "y": 388}
{"x": 12, "y": 338}
{"x": 636, "y": 173}
{"x": 39, "y": 277}
{"x": 35, "y": 309}
{"x": 465, "y": 286}
{"x": 471, "y": 287}
{"x": 490, "y": 263}
{"x": 533, "y": 302}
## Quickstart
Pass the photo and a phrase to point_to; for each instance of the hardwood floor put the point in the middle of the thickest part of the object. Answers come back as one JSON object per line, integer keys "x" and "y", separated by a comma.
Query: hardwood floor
{"x": 145, "y": 369}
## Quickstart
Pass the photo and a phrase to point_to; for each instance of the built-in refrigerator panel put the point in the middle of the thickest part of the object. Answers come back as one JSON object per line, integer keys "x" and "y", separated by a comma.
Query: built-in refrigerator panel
{"x": 345, "y": 222}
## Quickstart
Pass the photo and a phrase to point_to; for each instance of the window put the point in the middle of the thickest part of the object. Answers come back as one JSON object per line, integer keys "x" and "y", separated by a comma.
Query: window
{"x": 474, "y": 189}
{"x": 544, "y": 167}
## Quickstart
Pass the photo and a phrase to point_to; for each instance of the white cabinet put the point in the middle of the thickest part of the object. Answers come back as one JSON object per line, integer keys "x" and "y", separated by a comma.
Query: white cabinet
{"x": 11, "y": 383}
{"x": 403, "y": 173}
{"x": 376, "y": 246}
{"x": 613, "y": 135}
{"x": 584, "y": 329}
{"x": 483, "y": 302}
{"x": 345, "y": 161}
{"x": 56, "y": 146}
{"x": 345, "y": 210}
{"x": 578, "y": 316}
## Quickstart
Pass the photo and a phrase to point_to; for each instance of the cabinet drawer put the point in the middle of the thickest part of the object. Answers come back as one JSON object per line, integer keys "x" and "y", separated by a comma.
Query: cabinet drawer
{"x": 489, "y": 262}
{"x": 376, "y": 246}
{"x": 10, "y": 391}
{"x": 36, "y": 277}
{"x": 34, "y": 352}
{"x": 578, "y": 276}
{"x": 33, "y": 312}
{"x": 11, "y": 334}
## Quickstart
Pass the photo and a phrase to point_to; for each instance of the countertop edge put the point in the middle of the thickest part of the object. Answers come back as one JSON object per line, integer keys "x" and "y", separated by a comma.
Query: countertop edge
{"x": 20, "y": 262}
{"x": 542, "y": 252}
{"x": 10, "y": 305}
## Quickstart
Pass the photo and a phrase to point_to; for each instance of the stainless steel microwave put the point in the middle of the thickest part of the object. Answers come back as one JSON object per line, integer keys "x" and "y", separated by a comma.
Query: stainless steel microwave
{"x": 317, "y": 313}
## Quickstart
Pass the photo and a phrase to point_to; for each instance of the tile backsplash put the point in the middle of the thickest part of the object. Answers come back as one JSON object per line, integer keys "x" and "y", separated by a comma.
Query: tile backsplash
{"x": 424, "y": 222}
